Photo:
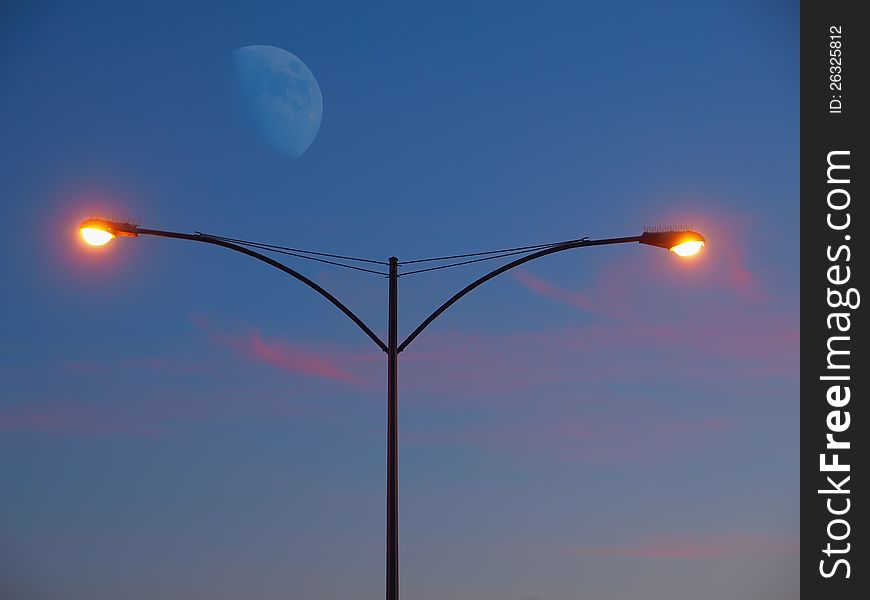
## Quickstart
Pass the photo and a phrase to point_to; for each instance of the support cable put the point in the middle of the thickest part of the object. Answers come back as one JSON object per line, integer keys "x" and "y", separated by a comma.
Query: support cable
{"x": 503, "y": 254}
{"x": 518, "y": 248}
{"x": 297, "y": 253}
{"x": 273, "y": 246}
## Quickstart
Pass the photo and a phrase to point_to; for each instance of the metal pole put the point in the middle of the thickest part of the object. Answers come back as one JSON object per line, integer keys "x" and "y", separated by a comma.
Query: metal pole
{"x": 392, "y": 583}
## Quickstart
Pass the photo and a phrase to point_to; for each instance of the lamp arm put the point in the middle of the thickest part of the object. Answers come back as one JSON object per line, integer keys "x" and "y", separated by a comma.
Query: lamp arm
{"x": 217, "y": 242}
{"x": 520, "y": 261}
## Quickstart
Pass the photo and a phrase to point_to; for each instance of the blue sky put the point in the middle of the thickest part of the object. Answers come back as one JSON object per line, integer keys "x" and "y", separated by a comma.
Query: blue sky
{"x": 181, "y": 422}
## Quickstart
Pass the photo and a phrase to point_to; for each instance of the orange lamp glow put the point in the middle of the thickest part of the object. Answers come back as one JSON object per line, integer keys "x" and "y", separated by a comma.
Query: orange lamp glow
{"x": 687, "y": 248}
{"x": 96, "y": 237}
{"x": 97, "y": 232}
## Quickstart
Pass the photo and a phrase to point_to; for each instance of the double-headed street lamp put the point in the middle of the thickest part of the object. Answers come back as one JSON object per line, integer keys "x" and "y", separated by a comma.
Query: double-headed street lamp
{"x": 682, "y": 242}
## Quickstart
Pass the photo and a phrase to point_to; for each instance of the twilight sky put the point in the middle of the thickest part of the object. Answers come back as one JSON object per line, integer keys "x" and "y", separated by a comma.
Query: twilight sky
{"x": 178, "y": 421}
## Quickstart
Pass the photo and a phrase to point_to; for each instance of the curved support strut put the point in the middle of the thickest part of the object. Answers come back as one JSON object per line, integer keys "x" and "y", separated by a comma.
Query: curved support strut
{"x": 520, "y": 261}
{"x": 332, "y": 299}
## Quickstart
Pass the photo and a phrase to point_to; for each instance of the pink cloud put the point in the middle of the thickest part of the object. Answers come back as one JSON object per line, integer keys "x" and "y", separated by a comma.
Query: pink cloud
{"x": 36, "y": 419}
{"x": 699, "y": 546}
{"x": 549, "y": 290}
{"x": 603, "y": 440}
{"x": 291, "y": 357}
{"x": 156, "y": 364}
{"x": 294, "y": 359}
{"x": 711, "y": 343}
{"x": 82, "y": 420}
{"x": 149, "y": 414}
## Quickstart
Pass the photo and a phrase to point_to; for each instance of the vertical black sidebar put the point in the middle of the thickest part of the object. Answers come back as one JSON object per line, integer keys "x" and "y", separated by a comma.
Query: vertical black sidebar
{"x": 835, "y": 369}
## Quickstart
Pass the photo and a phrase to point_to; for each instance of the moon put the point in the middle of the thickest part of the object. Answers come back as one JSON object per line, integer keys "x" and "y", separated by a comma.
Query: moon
{"x": 280, "y": 96}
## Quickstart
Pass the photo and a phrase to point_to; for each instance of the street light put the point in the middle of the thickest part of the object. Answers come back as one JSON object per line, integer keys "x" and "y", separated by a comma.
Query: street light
{"x": 681, "y": 241}
{"x": 98, "y": 232}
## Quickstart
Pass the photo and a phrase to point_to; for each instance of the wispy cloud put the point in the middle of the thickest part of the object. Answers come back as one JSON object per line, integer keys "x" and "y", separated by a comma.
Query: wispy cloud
{"x": 707, "y": 344}
{"x": 144, "y": 413}
{"x": 598, "y": 440}
{"x": 572, "y": 298}
{"x": 698, "y": 546}
{"x": 291, "y": 357}
{"x": 81, "y": 420}
{"x": 155, "y": 364}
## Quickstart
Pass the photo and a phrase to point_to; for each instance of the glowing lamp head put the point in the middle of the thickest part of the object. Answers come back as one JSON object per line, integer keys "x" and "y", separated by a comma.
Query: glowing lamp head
{"x": 687, "y": 248}
{"x": 680, "y": 242}
{"x": 97, "y": 232}
{"x": 96, "y": 237}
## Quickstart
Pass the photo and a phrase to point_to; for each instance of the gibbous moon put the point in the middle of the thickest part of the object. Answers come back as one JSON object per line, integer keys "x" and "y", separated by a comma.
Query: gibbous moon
{"x": 280, "y": 95}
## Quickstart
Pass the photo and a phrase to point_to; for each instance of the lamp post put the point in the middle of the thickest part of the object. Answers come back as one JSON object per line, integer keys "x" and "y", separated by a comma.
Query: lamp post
{"x": 682, "y": 242}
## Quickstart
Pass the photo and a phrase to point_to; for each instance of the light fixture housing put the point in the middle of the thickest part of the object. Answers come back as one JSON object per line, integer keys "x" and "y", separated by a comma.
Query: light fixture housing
{"x": 99, "y": 232}
{"x": 682, "y": 242}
